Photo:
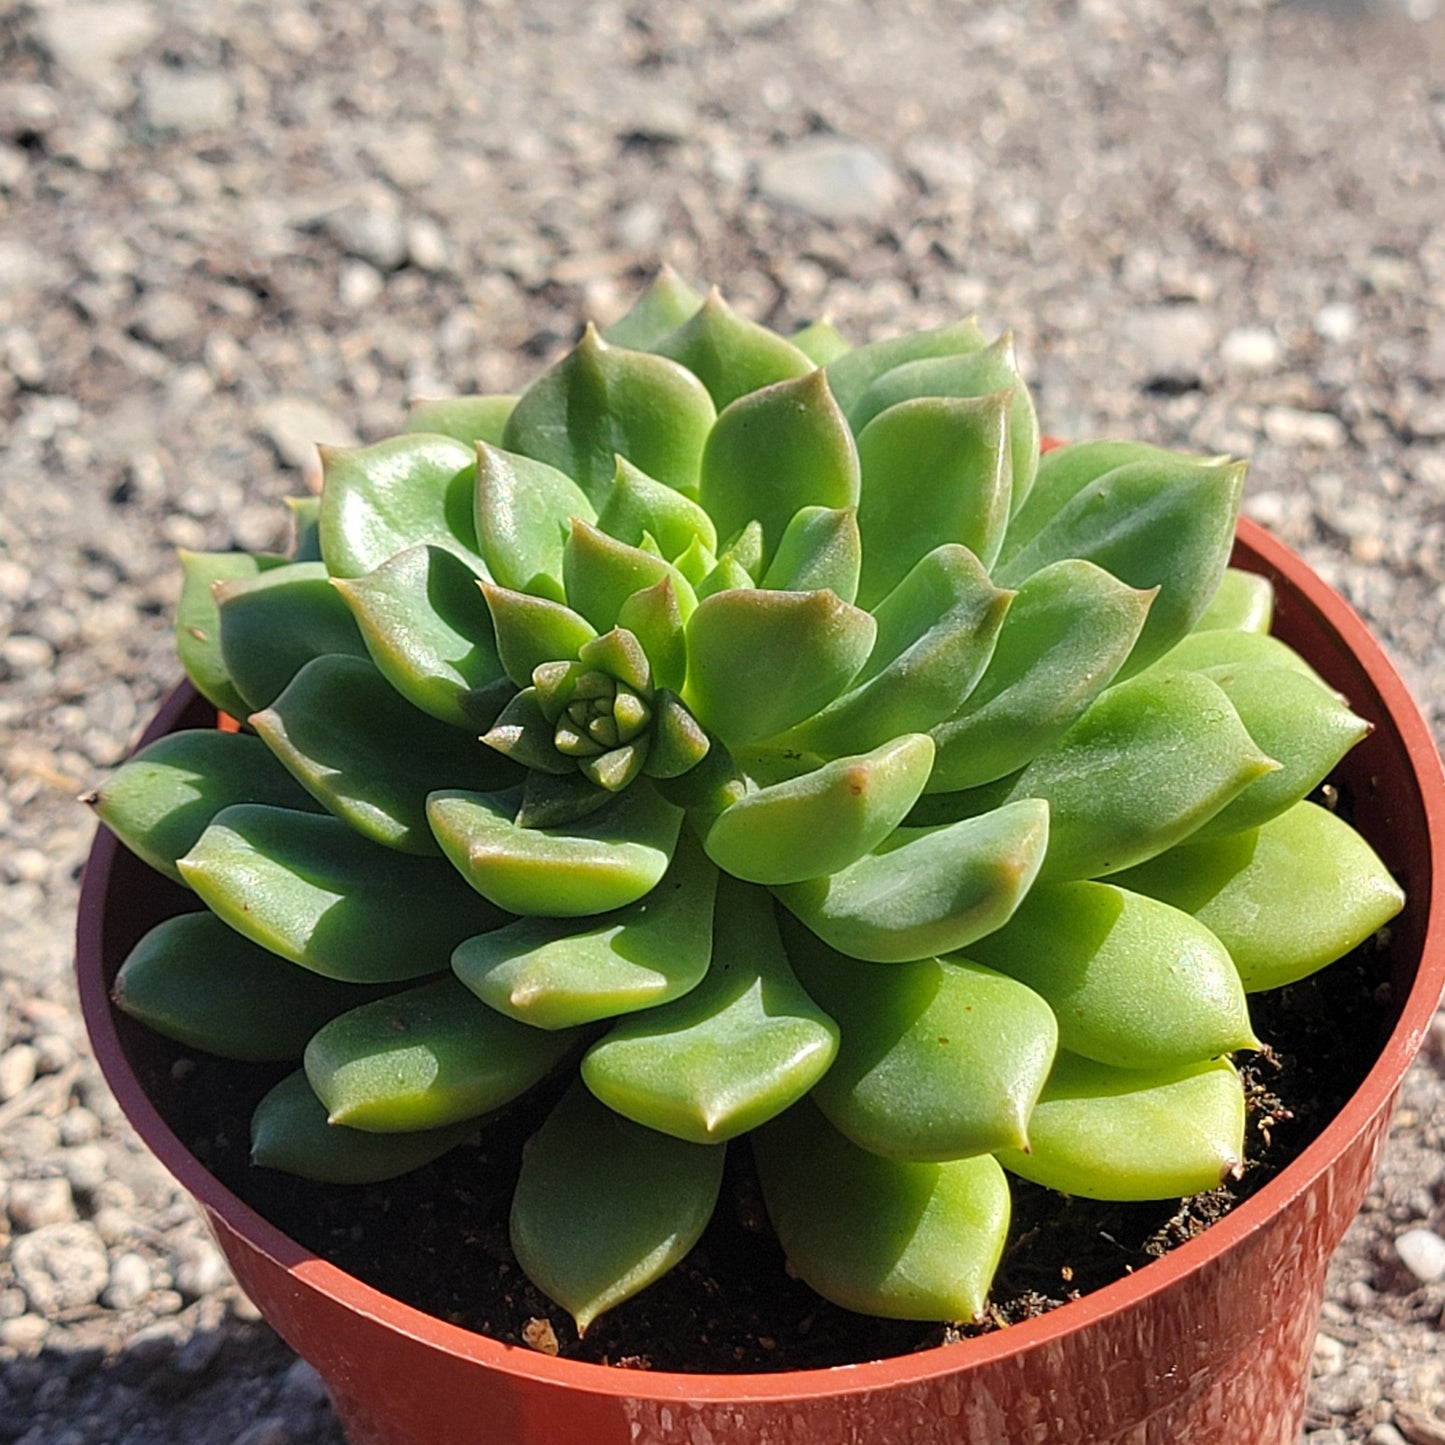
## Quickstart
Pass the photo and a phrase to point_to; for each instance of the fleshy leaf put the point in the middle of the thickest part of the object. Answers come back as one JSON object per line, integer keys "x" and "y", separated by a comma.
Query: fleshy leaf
{"x": 1133, "y": 982}
{"x": 468, "y": 419}
{"x": 936, "y": 633}
{"x": 198, "y": 621}
{"x": 1168, "y": 525}
{"x": 823, "y": 821}
{"x": 308, "y": 888}
{"x": 159, "y": 802}
{"x": 1148, "y": 763}
{"x": 430, "y": 634}
{"x": 1300, "y": 723}
{"x": 678, "y": 743}
{"x": 524, "y": 733}
{"x": 523, "y": 511}
{"x": 637, "y": 507}
{"x": 663, "y": 307}
{"x": 982, "y": 373}
{"x": 940, "y": 1059}
{"x": 654, "y": 616}
{"x": 851, "y": 374}
{"x": 1066, "y": 471}
{"x": 821, "y": 342}
{"x": 606, "y": 860}
{"x": 273, "y": 624}
{"x": 550, "y": 975}
{"x": 1284, "y": 899}
{"x": 880, "y": 1236}
{"x": 601, "y": 401}
{"x": 1067, "y": 632}
{"x": 336, "y": 728}
{"x": 424, "y": 1058}
{"x": 773, "y": 453}
{"x": 731, "y": 356}
{"x": 306, "y": 527}
{"x": 532, "y": 631}
{"x": 729, "y": 575}
{"x": 819, "y": 548}
{"x": 195, "y": 980}
{"x": 602, "y": 573}
{"x": 1105, "y": 1133}
{"x": 935, "y": 470}
{"x": 741, "y": 1047}
{"x": 1202, "y": 651}
{"x": 379, "y": 500}
{"x": 604, "y": 1206}
{"x": 1243, "y": 603}
{"x": 289, "y": 1131}
{"x": 927, "y": 891}
{"x": 797, "y": 650}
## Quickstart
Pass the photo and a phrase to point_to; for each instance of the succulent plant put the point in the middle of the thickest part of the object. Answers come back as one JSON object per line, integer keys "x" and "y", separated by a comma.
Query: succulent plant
{"x": 762, "y": 730}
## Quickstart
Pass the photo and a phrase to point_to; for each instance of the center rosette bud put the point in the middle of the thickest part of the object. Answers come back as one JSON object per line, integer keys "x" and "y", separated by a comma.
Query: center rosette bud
{"x": 588, "y": 727}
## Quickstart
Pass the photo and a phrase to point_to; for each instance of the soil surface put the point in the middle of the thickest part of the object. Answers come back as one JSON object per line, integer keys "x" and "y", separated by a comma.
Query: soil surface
{"x": 228, "y": 231}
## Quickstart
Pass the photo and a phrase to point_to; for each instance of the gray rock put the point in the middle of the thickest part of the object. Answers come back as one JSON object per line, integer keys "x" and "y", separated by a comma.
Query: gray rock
{"x": 35, "y": 1203}
{"x": 426, "y": 244}
{"x": 1254, "y": 350}
{"x": 832, "y": 179}
{"x": 1287, "y": 426}
{"x": 1172, "y": 343}
{"x": 18, "y": 1064}
{"x": 85, "y": 1166}
{"x": 187, "y": 101}
{"x": 61, "y": 1267}
{"x": 295, "y": 424}
{"x": 200, "y": 1268}
{"x": 27, "y": 110}
{"x": 1422, "y": 1252}
{"x": 130, "y": 1282}
{"x": 371, "y": 229}
{"x": 90, "y": 39}
{"x": 1385, "y": 1434}
{"x": 302, "y": 1387}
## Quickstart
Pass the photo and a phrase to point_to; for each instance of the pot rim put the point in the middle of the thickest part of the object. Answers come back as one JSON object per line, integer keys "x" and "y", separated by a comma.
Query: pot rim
{"x": 1374, "y": 1095}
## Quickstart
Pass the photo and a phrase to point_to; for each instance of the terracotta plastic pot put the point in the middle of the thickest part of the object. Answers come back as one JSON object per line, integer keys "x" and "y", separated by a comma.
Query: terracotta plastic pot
{"x": 1209, "y": 1344}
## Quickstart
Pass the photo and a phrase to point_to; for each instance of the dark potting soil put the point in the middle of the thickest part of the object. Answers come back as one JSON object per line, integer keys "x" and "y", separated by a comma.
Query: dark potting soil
{"x": 437, "y": 1238}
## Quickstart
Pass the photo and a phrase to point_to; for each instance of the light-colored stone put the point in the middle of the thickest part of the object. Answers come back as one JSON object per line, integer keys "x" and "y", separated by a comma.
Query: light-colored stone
{"x": 426, "y": 244}
{"x": 25, "y": 1334}
{"x": 1422, "y": 1252}
{"x": 35, "y": 1203}
{"x": 187, "y": 101}
{"x": 295, "y": 424}
{"x": 1329, "y": 1355}
{"x": 1173, "y": 343}
{"x": 61, "y": 1267}
{"x": 1338, "y": 321}
{"x": 130, "y": 1282}
{"x": 200, "y": 1268}
{"x": 831, "y": 178}
{"x": 1254, "y": 350}
{"x": 1319, "y": 430}
{"x": 18, "y": 1064}
{"x": 90, "y": 39}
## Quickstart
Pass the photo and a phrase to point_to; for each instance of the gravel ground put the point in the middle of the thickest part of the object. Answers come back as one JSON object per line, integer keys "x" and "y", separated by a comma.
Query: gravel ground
{"x": 230, "y": 229}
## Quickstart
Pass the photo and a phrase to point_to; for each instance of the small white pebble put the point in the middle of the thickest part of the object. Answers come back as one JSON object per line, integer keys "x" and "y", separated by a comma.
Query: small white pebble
{"x": 1422, "y": 1252}
{"x": 201, "y": 1269}
{"x": 17, "y": 1071}
{"x": 34, "y": 1203}
{"x": 1337, "y": 321}
{"x": 1385, "y": 1434}
{"x": 130, "y": 1282}
{"x": 1329, "y": 1355}
{"x": 1251, "y": 349}
{"x": 25, "y": 1334}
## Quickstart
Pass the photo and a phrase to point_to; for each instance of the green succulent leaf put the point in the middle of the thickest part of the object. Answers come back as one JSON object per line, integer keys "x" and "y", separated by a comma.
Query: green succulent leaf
{"x": 198, "y": 621}
{"x": 367, "y": 755}
{"x": 1223, "y": 647}
{"x": 1066, "y": 471}
{"x": 936, "y": 632}
{"x": 1167, "y": 524}
{"x": 940, "y": 1059}
{"x": 731, "y": 356}
{"x": 1151, "y": 760}
{"x": 307, "y": 887}
{"x": 426, "y": 1057}
{"x": 1133, "y": 982}
{"x": 195, "y": 980}
{"x": 273, "y": 624}
{"x": 1105, "y": 1133}
{"x": 532, "y": 631}
{"x": 935, "y": 470}
{"x": 159, "y": 802}
{"x": 798, "y": 650}
{"x": 927, "y": 891}
{"x": 824, "y": 820}
{"x": 654, "y": 616}
{"x": 1243, "y": 603}
{"x": 547, "y": 973}
{"x": 306, "y": 527}
{"x": 678, "y": 743}
{"x": 604, "y": 861}
{"x": 1300, "y": 723}
{"x": 663, "y": 307}
{"x": 467, "y": 419}
{"x": 379, "y": 500}
{"x": 1285, "y": 899}
{"x": 851, "y": 374}
{"x": 602, "y": 401}
{"x": 639, "y": 507}
{"x": 820, "y": 548}
{"x": 524, "y": 732}
{"x": 775, "y": 452}
{"x": 881, "y": 1236}
{"x": 604, "y": 1206}
{"x": 728, "y": 575}
{"x": 982, "y": 373}
{"x": 821, "y": 342}
{"x": 602, "y": 573}
{"x": 1066, "y": 634}
{"x": 289, "y": 1131}
{"x": 523, "y": 511}
{"x": 739, "y": 1048}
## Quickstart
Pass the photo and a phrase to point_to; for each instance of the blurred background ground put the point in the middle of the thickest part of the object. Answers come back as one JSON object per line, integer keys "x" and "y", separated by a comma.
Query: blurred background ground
{"x": 230, "y": 229}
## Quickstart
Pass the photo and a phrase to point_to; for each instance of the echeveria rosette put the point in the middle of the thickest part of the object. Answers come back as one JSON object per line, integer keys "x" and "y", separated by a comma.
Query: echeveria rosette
{"x": 761, "y": 729}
